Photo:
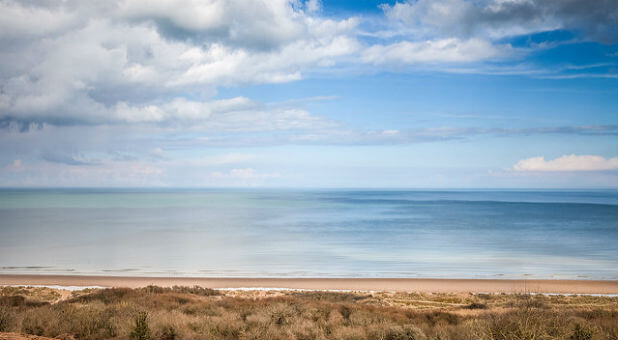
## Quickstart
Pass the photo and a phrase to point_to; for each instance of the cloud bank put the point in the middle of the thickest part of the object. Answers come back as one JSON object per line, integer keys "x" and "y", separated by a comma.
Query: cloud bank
{"x": 568, "y": 163}
{"x": 136, "y": 62}
{"x": 149, "y": 62}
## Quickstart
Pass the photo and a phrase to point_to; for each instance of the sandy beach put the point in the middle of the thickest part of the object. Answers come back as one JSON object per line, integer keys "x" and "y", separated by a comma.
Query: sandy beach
{"x": 356, "y": 284}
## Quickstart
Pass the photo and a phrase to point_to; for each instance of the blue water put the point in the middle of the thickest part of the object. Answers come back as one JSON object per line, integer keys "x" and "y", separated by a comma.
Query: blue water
{"x": 311, "y": 233}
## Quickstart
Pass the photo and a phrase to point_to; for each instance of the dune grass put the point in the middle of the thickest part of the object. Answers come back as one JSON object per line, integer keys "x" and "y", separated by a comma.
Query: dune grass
{"x": 199, "y": 313}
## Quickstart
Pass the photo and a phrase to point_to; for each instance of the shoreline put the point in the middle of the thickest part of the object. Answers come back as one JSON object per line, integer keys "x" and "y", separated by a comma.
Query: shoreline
{"x": 331, "y": 284}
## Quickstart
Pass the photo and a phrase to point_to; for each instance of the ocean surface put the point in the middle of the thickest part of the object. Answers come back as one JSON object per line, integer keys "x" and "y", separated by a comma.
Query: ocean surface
{"x": 311, "y": 233}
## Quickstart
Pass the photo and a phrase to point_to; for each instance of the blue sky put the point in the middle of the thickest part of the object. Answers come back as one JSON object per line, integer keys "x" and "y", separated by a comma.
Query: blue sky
{"x": 371, "y": 94}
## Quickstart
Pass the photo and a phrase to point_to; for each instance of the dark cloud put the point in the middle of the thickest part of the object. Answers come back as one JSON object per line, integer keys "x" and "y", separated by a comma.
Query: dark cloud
{"x": 11, "y": 124}
{"x": 595, "y": 19}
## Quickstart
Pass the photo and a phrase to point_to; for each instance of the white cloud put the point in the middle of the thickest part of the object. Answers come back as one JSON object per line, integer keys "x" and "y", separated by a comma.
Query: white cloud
{"x": 129, "y": 62}
{"x": 451, "y": 50}
{"x": 568, "y": 163}
{"x": 225, "y": 65}
{"x": 256, "y": 24}
{"x": 18, "y": 21}
{"x": 68, "y": 62}
{"x": 313, "y": 5}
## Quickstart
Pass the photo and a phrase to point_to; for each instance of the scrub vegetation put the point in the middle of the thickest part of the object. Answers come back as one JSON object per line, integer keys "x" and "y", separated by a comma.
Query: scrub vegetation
{"x": 199, "y": 313}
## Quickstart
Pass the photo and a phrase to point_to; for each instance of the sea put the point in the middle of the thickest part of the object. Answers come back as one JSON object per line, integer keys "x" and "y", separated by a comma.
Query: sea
{"x": 536, "y": 234}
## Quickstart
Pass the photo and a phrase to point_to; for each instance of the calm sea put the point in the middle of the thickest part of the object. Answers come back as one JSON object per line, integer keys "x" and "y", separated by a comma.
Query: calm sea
{"x": 311, "y": 233}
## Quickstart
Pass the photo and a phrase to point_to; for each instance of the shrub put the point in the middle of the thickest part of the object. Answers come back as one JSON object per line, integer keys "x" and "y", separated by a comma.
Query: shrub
{"x": 107, "y": 296}
{"x": 12, "y": 300}
{"x": 282, "y": 314}
{"x": 6, "y": 319}
{"x": 476, "y": 305}
{"x": 141, "y": 330}
{"x": 581, "y": 333}
{"x": 91, "y": 322}
{"x": 345, "y": 312}
{"x": 407, "y": 332}
{"x": 195, "y": 290}
{"x": 40, "y": 321}
{"x": 169, "y": 333}
{"x": 18, "y": 301}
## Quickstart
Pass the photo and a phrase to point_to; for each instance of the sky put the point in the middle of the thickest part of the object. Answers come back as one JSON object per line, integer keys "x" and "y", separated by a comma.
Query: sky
{"x": 309, "y": 94}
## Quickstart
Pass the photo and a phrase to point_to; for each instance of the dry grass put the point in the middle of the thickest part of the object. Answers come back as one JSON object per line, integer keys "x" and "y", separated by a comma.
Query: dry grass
{"x": 198, "y": 313}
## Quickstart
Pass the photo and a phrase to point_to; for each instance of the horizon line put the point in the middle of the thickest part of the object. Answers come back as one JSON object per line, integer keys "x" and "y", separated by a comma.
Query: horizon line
{"x": 305, "y": 188}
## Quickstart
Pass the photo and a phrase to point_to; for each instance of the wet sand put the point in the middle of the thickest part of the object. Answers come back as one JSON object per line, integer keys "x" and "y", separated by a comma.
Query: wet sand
{"x": 356, "y": 284}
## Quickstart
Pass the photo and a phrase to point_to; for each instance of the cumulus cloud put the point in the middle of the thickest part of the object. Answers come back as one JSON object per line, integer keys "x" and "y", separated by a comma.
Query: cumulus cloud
{"x": 233, "y": 114}
{"x": 124, "y": 91}
{"x": 137, "y": 61}
{"x": 468, "y": 32}
{"x": 500, "y": 18}
{"x": 568, "y": 163}
{"x": 132, "y": 62}
{"x": 260, "y": 24}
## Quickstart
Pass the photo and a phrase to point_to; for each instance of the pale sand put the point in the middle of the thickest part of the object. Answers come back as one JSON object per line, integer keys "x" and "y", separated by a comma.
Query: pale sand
{"x": 355, "y": 284}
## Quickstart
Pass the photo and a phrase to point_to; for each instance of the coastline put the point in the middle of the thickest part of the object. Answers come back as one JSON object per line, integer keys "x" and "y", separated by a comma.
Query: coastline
{"x": 428, "y": 285}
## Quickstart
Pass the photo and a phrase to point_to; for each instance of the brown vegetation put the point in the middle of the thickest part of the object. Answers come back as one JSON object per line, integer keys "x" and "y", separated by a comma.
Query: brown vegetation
{"x": 199, "y": 313}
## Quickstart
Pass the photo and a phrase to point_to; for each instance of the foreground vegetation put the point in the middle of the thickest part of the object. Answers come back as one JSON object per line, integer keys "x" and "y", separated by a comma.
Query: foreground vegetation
{"x": 198, "y": 313}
